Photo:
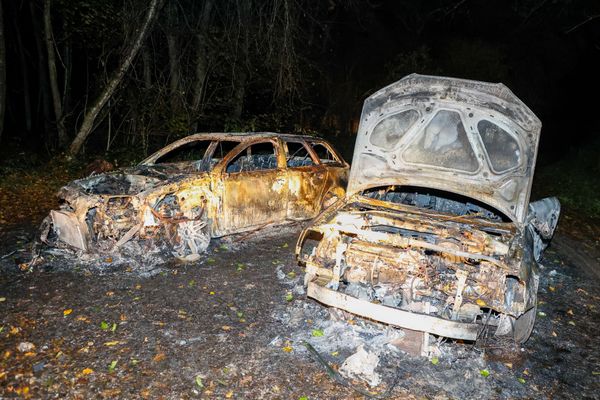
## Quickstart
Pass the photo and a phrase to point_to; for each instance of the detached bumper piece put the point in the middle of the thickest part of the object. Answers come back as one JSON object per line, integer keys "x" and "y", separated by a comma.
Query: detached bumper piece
{"x": 68, "y": 229}
{"x": 394, "y": 316}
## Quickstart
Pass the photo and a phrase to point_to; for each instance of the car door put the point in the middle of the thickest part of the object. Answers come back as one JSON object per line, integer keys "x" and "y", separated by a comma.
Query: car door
{"x": 306, "y": 178}
{"x": 254, "y": 188}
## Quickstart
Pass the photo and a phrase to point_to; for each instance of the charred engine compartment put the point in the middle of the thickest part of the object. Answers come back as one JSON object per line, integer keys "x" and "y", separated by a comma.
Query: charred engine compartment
{"x": 420, "y": 251}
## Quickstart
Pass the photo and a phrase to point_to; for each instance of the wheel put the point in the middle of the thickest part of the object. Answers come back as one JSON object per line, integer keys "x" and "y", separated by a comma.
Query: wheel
{"x": 523, "y": 326}
{"x": 193, "y": 239}
{"x": 519, "y": 328}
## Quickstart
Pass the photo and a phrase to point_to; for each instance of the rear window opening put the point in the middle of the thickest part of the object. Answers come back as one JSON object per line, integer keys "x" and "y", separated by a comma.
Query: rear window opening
{"x": 436, "y": 200}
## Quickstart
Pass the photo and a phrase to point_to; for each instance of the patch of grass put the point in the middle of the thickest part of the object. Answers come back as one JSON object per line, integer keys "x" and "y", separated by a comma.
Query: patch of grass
{"x": 575, "y": 180}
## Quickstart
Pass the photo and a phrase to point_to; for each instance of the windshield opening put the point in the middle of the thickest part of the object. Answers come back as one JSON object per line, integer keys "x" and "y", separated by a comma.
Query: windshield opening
{"x": 196, "y": 156}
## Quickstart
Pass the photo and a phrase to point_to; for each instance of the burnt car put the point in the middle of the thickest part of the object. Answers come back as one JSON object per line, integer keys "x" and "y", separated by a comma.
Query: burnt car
{"x": 200, "y": 187}
{"x": 436, "y": 233}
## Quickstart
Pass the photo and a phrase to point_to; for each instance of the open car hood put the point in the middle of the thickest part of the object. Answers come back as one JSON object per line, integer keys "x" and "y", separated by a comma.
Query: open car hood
{"x": 471, "y": 138}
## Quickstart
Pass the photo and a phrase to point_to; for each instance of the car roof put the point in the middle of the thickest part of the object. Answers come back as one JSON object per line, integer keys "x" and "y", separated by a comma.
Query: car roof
{"x": 248, "y": 136}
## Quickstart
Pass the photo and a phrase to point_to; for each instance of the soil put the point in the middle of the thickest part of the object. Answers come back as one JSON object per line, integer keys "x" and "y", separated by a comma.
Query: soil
{"x": 231, "y": 325}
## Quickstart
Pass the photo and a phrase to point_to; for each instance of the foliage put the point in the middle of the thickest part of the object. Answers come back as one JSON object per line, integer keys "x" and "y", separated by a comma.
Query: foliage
{"x": 575, "y": 180}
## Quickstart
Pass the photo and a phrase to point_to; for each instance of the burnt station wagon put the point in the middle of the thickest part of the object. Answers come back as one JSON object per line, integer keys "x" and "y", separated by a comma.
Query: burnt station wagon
{"x": 199, "y": 187}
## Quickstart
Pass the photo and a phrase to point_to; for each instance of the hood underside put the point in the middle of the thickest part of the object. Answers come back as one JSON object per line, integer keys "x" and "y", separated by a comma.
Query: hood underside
{"x": 471, "y": 138}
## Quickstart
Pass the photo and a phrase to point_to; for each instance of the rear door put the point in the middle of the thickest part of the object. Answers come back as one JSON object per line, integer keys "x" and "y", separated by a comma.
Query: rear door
{"x": 254, "y": 187}
{"x": 306, "y": 178}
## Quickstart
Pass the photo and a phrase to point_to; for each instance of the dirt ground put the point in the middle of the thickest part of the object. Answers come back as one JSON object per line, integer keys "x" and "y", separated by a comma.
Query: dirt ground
{"x": 231, "y": 325}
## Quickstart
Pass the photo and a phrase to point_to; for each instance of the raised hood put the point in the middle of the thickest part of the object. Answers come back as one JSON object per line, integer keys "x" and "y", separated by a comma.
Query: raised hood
{"x": 471, "y": 138}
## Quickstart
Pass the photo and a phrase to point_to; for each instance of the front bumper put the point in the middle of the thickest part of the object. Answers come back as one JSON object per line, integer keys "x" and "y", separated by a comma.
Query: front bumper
{"x": 394, "y": 316}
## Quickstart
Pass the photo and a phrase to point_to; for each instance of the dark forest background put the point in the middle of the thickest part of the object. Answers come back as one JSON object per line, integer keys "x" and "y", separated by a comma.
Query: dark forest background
{"x": 121, "y": 78}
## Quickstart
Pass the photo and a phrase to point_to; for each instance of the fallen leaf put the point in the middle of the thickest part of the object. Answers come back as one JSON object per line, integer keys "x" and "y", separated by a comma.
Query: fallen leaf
{"x": 554, "y": 334}
{"x": 551, "y": 288}
{"x": 484, "y": 372}
{"x": 291, "y": 274}
{"x": 570, "y": 312}
{"x": 572, "y": 323}
{"x": 229, "y": 394}
{"x": 159, "y": 357}
{"x": 521, "y": 380}
{"x": 226, "y": 327}
{"x": 112, "y": 366}
{"x": 2, "y": 299}
{"x": 113, "y": 327}
{"x": 289, "y": 297}
{"x": 104, "y": 325}
{"x": 285, "y": 246}
{"x": 303, "y": 398}
{"x": 541, "y": 314}
{"x": 87, "y": 371}
{"x": 112, "y": 343}
{"x": 480, "y": 303}
{"x": 287, "y": 349}
{"x": 198, "y": 381}
{"x": 67, "y": 312}
{"x": 435, "y": 360}
{"x": 317, "y": 333}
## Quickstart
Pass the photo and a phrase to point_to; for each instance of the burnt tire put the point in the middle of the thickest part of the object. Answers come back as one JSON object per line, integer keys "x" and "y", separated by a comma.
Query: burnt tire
{"x": 523, "y": 326}
{"x": 193, "y": 238}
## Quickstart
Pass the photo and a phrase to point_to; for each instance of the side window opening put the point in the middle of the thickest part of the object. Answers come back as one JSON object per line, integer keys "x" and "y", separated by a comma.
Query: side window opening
{"x": 256, "y": 157}
{"x": 324, "y": 154}
{"x": 298, "y": 155}
{"x": 222, "y": 148}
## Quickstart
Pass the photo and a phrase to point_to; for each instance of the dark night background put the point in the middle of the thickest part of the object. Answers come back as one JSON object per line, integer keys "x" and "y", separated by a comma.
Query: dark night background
{"x": 293, "y": 66}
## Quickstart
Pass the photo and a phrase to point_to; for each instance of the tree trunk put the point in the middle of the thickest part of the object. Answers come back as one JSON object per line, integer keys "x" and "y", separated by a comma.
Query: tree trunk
{"x": 239, "y": 92}
{"x": 200, "y": 73}
{"x": 25, "y": 75}
{"x": 146, "y": 61}
{"x": 201, "y": 58}
{"x": 2, "y": 72}
{"x": 114, "y": 81}
{"x": 174, "y": 79}
{"x": 42, "y": 76}
{"x": 173, "y": 49}
{"x": 56, "y": 98}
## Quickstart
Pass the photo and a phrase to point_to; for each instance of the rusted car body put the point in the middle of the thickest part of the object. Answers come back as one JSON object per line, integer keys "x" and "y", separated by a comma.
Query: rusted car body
{"x": 436, "y": 233}
{"x": 202, "y": 186}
